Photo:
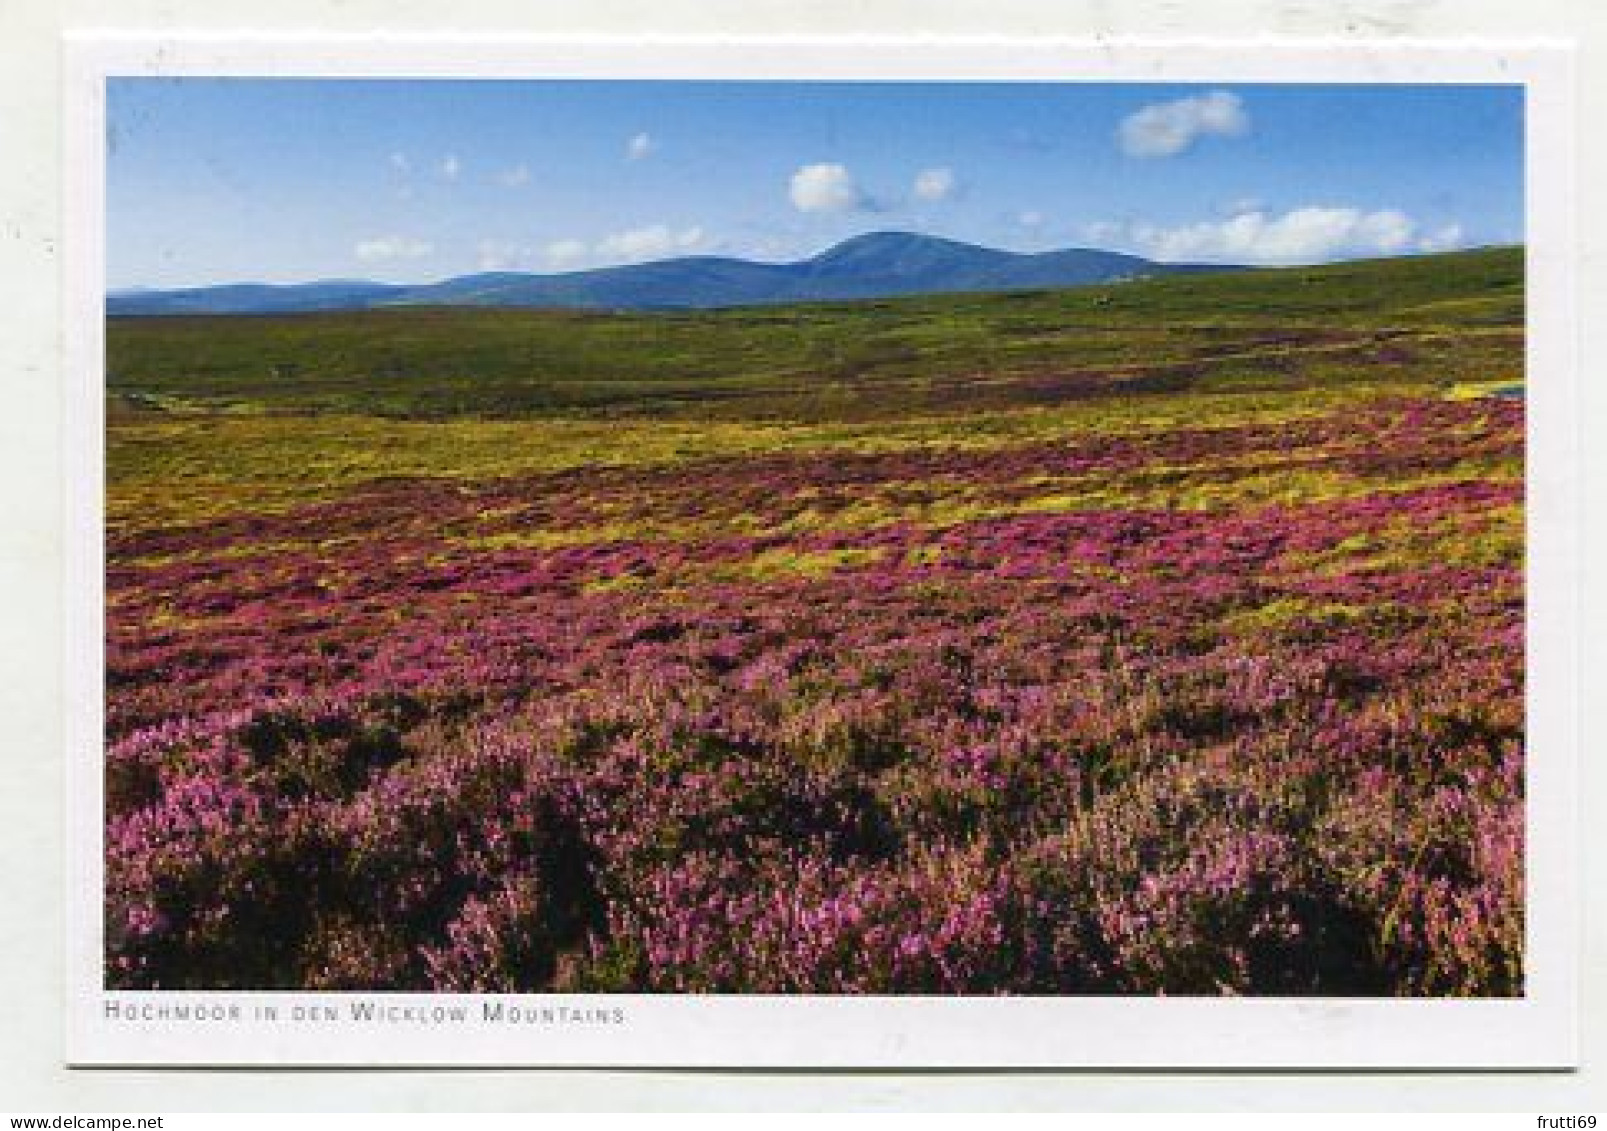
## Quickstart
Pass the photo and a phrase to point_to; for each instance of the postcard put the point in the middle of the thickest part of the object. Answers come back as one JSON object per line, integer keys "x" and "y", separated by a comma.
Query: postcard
{"x": 766, "y": 553}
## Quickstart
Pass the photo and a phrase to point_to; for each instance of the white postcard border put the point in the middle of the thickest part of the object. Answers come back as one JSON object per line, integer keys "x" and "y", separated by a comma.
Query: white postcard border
{"x": 1537, "y": 1031}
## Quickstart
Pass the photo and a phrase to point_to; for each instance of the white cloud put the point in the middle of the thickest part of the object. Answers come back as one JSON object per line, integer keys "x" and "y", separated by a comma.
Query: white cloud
{"x": 514, "y": 177}
{"x": 634, "y": 245}
{"x": 565, "y": 254}
{"x": 1168, "y": 128}
{"x": 496, "y": 255}
{"x": 1303, "y": 235}
{"x": 824, "y": 188}
{"x": 383, "y": 248}
{"x": 400, "y": 163}
{"x": 1447, "y": 238}
{"x": 1030, "y": 218}
{"x": 1104, "y": 232}
{"x": 640, "y": 146}
{"x": 936, "y": 184}
{"x": 652, "y": 242}
{"x": 451, "y": 167}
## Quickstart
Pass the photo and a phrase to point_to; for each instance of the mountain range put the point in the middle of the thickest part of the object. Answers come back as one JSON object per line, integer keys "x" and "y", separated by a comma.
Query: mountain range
{"x": 876, "y": 265}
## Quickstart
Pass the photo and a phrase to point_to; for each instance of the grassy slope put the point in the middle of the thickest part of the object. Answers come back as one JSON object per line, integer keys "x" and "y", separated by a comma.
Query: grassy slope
{"x": 1166, "y": 637}
{"x": 835, "y": 360}
{"x": 475, "y": 394}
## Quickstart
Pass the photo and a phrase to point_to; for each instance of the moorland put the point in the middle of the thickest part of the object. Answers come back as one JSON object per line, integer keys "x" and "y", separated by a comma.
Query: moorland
{"x": 1162, "y": 636}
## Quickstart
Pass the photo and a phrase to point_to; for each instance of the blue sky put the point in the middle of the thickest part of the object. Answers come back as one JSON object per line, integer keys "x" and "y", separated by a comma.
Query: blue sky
{"x": 286, "y": 180}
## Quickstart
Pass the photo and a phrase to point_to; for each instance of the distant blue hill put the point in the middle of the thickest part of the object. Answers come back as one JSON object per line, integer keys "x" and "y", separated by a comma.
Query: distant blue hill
{"x": 877, "y": 265}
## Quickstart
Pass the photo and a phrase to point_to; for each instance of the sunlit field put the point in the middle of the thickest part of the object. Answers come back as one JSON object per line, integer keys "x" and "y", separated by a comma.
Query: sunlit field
{"x": 1157, "y": 637}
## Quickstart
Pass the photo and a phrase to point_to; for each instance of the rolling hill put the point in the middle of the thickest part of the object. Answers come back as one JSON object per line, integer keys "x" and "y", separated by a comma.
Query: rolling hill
{"x": 877, "y": 265}
{"x": 1430, "y": 320}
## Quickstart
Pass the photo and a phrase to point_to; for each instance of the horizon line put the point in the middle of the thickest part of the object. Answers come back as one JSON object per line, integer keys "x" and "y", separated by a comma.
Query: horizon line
{"x": 147, "y": 289}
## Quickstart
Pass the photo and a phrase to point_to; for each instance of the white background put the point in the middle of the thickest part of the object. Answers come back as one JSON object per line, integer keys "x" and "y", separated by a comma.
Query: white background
{"x": 31, "y": 458}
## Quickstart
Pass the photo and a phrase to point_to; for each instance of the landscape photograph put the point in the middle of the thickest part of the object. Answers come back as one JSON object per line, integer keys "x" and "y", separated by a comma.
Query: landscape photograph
{"x": 1041, "y": 539}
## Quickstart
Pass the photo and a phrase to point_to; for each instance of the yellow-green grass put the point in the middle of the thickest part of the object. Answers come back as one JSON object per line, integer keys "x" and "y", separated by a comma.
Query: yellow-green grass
{"x": 169, "y": 469}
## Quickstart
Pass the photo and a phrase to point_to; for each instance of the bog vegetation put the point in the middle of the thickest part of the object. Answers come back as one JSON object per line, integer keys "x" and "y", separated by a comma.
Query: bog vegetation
{"x": 1156, "y": 637}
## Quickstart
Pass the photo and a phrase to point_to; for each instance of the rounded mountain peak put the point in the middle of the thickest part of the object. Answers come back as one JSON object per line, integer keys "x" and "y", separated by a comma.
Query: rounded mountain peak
{"x": 899, "y": 253}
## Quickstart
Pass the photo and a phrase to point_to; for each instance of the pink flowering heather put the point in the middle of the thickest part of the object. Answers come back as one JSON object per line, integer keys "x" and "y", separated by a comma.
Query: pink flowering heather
{"x": 1233, "y": 706}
